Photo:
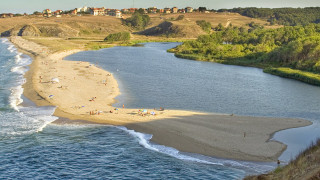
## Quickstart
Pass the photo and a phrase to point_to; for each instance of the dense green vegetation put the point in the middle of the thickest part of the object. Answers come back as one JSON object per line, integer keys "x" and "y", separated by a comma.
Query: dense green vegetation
{"x": 120, "y": 36}
{"x": 303, "y": 76}
{"x": 283, "y": 16}
{"x": 138, "y": 20}
{"x": 206, "y": 26}
{"x": 295, "y": 47}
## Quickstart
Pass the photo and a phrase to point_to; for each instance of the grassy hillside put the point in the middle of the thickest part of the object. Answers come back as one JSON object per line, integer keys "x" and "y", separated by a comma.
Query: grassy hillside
{"x": 88, "y": 32}
{"x": 65, "y": 27}
{"x": 305, "y": 166}
{"x": 101, "y": 26}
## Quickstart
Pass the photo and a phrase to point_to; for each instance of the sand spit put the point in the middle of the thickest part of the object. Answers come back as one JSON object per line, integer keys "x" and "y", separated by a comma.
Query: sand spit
{"x": 82, "y": 91}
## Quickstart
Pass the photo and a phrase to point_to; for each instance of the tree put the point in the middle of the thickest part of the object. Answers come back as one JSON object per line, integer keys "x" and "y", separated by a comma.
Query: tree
{"x": 138, "y": 20}
{"x": 36, "y": 12}
{"x": 202, "y": 9}
{"x": 219, "y": 27}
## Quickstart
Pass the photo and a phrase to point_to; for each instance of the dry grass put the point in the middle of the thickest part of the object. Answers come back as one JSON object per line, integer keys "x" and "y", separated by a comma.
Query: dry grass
{"x": 83, "y": 26}
{"x": 305, "y": 166}
{"x": 88, "y": 32}
{"x": 59, "y": 44}
{"x": 101, "y": 26}
{"x": 215, "y": 18}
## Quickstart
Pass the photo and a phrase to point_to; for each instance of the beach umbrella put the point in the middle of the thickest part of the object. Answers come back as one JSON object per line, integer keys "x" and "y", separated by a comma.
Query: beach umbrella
{"x": 55, "y": 80}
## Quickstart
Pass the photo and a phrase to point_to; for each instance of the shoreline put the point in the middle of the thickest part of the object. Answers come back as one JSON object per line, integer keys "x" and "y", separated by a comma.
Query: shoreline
{"x": 84, "y": 89}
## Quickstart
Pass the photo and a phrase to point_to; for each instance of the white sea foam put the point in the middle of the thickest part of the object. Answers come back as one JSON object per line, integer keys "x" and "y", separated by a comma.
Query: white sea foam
{"x": 24, "y": 120}
{"x": 4, "y": 40}
{"x": 20, "y": 69}
{"x": 18, "y": 58}
{"x": 11, "y": 48}
{"x": 45, "y": 120}
{"x": 15, "y": 97}
{"x": 144, "y": 140}
{"x": 27, "y": 121}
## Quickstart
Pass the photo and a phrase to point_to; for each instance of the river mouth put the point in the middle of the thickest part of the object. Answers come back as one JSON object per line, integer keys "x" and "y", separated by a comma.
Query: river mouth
{"x": 35, "y": 148}
{"x": 149, "y": 77}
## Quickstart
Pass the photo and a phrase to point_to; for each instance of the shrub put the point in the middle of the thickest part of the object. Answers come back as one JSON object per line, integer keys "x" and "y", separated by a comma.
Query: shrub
{"x": 120, "y": 36}
{"x": 206, "y": 26}
{"x": 180, "y": 17}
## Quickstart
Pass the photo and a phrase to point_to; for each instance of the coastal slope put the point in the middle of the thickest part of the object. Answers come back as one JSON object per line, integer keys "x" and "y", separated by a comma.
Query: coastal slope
{"x": 83, "y": 91}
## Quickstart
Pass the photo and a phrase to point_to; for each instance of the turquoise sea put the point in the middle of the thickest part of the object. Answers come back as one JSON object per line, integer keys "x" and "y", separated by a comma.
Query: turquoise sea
{"x": 33, "y": 148}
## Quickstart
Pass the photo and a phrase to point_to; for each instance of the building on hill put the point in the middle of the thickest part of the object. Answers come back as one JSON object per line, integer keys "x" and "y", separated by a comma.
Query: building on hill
{"x": 118, "y": 14}
{"x": 189, "y": 9}
{"x": 145, "y": 11}
{"x": 161, "y": 10}
{"x": 181, "y": 11}
{"x": 8, "y": 15}
{"x": 57, "y": 12}
{"x": 98, "y": 11}
{"x": 152, "y": 10}
{"x": 47, "y": 13}
{"x": 74, "y": 12}
{"x": 115, "y": 12}
{"x": 174, "y": 10}
{"x": 125, "y": 11}
{"x": 84, "y": 9}
{"x": 132, "y": 10}
{"x": 167, "y": 10}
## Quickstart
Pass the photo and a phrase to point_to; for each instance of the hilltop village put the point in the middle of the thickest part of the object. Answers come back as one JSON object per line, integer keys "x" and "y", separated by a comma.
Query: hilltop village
{"x": 107, "y": 12}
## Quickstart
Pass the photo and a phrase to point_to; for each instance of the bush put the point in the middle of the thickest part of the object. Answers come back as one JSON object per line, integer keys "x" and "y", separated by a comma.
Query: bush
{"x": 120, "y": 36}
{"x": 206, "y": 26}
{"x": 180, "y": 17}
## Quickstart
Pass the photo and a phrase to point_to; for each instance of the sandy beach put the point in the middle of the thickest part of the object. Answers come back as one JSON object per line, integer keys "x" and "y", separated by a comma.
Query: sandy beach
{"x": 82, "y": 91}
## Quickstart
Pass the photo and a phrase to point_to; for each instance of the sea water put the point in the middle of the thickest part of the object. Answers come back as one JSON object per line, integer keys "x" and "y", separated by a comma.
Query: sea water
{"x": 33, "y": 148}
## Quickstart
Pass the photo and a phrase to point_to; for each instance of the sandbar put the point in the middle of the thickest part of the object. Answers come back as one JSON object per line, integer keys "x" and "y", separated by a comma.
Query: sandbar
{"x": 83, "y": 91}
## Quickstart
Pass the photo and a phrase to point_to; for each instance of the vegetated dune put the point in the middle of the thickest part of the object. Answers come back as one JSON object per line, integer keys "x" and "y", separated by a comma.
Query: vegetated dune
{"x": 98, "y": 27}
{"x": 67, "y": 26}
{"x": 174, "y": 30}
{"x": 305, "y": 166}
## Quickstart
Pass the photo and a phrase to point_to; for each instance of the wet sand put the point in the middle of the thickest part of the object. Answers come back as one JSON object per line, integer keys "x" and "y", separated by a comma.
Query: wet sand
{"x": 86, "y": 92}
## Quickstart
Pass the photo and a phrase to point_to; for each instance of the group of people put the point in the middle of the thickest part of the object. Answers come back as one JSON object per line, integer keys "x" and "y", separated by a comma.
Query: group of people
{"x": 144, "y": 112}
{"x": 95, "y": 112}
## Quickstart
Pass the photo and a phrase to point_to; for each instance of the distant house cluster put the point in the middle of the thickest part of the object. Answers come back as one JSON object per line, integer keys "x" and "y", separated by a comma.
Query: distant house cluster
{"x": 154, "y": 10}
{"x": 9, "y": 15}
{"x": 102, "y": 11}
{"x": 49, "y": 13}
{"x": 83, "y": 10}
{"x": 173, "y": 10}
{"x": 106, "y": 12}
